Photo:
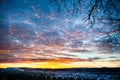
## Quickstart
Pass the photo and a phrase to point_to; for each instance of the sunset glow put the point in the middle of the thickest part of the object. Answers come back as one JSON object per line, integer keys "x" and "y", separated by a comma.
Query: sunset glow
{"x": 59, "y": 65}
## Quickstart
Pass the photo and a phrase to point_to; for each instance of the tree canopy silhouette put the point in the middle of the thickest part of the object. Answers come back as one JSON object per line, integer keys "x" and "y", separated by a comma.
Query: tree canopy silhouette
{"x": 105, "y": 12}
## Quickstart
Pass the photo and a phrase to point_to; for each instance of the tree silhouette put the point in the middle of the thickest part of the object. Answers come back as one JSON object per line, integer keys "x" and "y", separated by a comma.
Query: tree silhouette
{"x": 105, "y": 12}
{"x": 102, "y": 10}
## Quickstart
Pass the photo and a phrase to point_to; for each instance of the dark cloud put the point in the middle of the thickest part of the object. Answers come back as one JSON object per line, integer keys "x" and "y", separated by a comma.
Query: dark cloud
{"x": 81, "y": 51}
{"x": 95, "y": 58}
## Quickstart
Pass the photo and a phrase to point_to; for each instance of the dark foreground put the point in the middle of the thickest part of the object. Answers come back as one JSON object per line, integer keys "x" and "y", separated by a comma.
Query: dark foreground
{"x": 60, "y": 74}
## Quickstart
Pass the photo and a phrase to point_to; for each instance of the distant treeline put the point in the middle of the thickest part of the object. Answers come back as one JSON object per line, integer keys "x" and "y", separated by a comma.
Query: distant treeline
{"x": 45, "y": 74}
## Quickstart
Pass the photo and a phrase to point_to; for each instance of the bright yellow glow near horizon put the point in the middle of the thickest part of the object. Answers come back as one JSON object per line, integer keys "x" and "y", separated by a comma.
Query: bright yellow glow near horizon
{"x": 60, "y": 65}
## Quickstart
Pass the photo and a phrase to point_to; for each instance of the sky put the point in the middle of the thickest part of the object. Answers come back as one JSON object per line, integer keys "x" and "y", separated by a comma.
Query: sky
{"x": 34, "y": 34}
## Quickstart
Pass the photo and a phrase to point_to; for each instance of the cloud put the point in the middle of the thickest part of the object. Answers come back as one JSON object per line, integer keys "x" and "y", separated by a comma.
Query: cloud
{"x": 95, "y": 58}
{"x": 81, "y": 51}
